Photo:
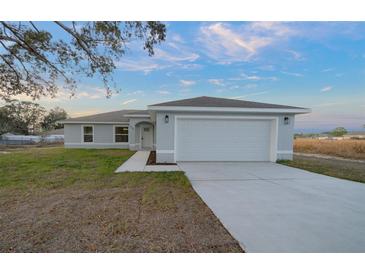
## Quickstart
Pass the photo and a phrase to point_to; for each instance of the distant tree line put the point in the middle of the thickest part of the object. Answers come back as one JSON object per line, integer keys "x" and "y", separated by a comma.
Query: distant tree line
{"x": 337, "y": 132}
{"x": 26, "y": 118}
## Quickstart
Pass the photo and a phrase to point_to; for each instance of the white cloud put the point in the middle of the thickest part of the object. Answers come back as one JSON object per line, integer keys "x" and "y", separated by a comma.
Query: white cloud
{"x": 217, "y": 82}
{"x": 163, "y": 92}
{"x": 253, "y": 77}
{"x": 139, "y": 65}
{"x": 187, "y": 83}
{"x": 175, "y": 57}
{"x": 128, "y": 102}
{"x": 326, "y": 88}
{"x": 295, "y": 74}
{"x": 136, "y": 92}
{"x": 327, "y": 69}
{"x": 173, "y": 53}
{"x": 296, "y": 55}
{"x": 226, "y": 44}
{"x": 87, "y": 95}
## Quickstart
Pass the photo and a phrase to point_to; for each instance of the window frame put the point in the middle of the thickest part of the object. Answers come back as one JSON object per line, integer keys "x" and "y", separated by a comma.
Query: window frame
{"x": 115, "y": 134}
{"x": 83, "y": 133}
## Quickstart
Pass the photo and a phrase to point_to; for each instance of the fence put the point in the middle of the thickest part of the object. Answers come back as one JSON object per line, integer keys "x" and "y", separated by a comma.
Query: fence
{"x": 30, "y": 140}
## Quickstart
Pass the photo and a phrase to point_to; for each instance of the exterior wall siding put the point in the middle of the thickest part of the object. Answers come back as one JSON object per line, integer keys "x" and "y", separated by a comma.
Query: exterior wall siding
{"x": 103, "y": 136}
{"x": 165, "y": 133}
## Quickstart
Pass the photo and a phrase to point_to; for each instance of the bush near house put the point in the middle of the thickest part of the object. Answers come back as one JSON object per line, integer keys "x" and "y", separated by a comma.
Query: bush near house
{"x": 351, "y": 149}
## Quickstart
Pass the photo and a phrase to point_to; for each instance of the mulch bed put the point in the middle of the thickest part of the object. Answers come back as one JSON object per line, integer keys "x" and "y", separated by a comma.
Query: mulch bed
{"x": 152, "y": 160}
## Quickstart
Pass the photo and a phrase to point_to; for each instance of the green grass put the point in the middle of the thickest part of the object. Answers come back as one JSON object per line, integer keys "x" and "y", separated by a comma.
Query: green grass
{"x": 70, "y": 200}
{"x": 53, "y": 167}
{"x": 335, "y": 168}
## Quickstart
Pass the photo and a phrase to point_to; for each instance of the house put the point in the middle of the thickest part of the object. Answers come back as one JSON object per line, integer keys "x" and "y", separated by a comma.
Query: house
{"x": 195, "y": 129}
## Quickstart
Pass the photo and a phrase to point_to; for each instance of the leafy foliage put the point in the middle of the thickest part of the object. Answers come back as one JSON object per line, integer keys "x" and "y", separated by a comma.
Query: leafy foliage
{"x": 51, "y": 120}
{"x": 21, "y": 117}
{"x": 338, "y": 132}
{"x": 34, "y": 63}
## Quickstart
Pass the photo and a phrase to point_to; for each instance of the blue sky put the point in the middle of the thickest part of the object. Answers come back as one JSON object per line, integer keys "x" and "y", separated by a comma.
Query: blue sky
{"x": 320, "y": 65}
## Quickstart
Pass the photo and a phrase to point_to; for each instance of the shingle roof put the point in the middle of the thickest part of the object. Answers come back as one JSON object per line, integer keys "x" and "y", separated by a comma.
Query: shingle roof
{"x": 107, "y": 117}
{"x": 205, "y": 101}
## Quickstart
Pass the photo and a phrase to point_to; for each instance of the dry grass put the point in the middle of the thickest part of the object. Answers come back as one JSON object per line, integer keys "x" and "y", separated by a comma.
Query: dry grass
{"x": 351, "y": 149}
{"x": 62, "y": 200}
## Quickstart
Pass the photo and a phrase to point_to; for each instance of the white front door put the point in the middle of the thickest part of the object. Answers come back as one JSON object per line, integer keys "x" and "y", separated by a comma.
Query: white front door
{"x": 147, "y": 137}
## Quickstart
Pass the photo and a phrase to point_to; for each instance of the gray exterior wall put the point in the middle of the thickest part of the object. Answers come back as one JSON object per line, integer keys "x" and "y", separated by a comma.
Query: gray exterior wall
{"x": 103, "y": 136}
{"x": 165, "y": 133}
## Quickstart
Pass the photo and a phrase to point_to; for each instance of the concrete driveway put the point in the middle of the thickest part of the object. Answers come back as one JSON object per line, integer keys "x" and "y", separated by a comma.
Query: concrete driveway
{"x": 269, "y": 207}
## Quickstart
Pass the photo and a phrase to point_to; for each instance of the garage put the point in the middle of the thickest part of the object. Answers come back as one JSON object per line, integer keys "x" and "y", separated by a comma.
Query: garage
{"x": 225, "y": 138}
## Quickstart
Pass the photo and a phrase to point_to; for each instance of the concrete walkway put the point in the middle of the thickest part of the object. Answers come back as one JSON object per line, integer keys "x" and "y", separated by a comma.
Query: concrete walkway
{"x": 269, "y": 207}
{"x": 138, "y": 163}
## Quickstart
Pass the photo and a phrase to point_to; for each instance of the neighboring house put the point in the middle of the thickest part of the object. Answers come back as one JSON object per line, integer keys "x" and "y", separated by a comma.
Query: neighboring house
{"x": 196, "y": 129}
{"x": 355, "y": 135}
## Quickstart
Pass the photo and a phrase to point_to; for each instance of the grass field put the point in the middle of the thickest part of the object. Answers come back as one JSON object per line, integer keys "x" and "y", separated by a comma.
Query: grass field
{"x": 351, "y": 149}
{"x": 336, "y": 168}
{"x": 69, "y": 200}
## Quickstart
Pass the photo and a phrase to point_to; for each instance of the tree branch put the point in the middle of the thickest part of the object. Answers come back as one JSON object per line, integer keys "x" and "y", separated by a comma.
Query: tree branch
{"x": 11, "y": 67}
{"x": 79, "y": 40}
{"x": 28, "y": 47}
{"x": 16, "y": 57}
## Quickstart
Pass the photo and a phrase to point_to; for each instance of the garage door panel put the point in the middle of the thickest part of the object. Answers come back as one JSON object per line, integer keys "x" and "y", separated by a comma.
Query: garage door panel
{"x": 223, "y": 140}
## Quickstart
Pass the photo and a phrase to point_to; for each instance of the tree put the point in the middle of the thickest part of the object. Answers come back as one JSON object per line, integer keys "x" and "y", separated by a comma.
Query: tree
{"x": 51, "y": 120}
{"x": 21, "y": 117}
{"x": 34, "y": 63}
{"x": 338, "y": 131}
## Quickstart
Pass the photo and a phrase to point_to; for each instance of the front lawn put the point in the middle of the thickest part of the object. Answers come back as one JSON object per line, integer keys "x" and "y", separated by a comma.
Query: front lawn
{"x": 336, "y": 168}
{"x": 69, "y": 200}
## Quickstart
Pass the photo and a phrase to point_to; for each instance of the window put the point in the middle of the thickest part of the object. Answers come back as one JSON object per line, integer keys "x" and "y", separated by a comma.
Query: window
{"x": 121, "y": 134}
{"x": 88, "y": 132}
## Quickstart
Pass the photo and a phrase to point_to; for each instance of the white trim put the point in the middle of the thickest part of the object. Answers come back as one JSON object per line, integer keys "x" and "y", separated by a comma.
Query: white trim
{"x": 273, "y": 137}
{"x": 165, "y": 151}
{"x": 114, "y": 126}
{"x": 82, "y": 134}
{"x": 284, "y": 152}
{"x": 96, "y": 144}
{"x": 231, "y": 109}
{"x": 137, "y": 115}
{"x": 89, "y": 122}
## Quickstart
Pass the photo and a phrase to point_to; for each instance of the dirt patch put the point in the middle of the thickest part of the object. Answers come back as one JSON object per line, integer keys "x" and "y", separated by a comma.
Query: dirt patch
{"x": 141, "y": 217}
{"x": 70, "y": 200}
{"x": 151, "y": 161}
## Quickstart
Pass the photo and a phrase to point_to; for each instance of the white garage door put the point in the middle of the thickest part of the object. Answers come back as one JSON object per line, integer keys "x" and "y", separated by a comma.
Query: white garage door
{"x": 222, "y": 139}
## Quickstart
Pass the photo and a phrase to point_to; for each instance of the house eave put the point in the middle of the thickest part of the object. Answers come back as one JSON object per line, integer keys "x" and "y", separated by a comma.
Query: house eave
{"x": 137, "y": 115}
{"x": 92, "y": 122}
{"x": 230, "y": 109}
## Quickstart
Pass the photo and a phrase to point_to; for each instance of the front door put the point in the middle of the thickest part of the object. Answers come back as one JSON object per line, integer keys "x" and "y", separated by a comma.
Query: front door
{"x": 147, "y": 137}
